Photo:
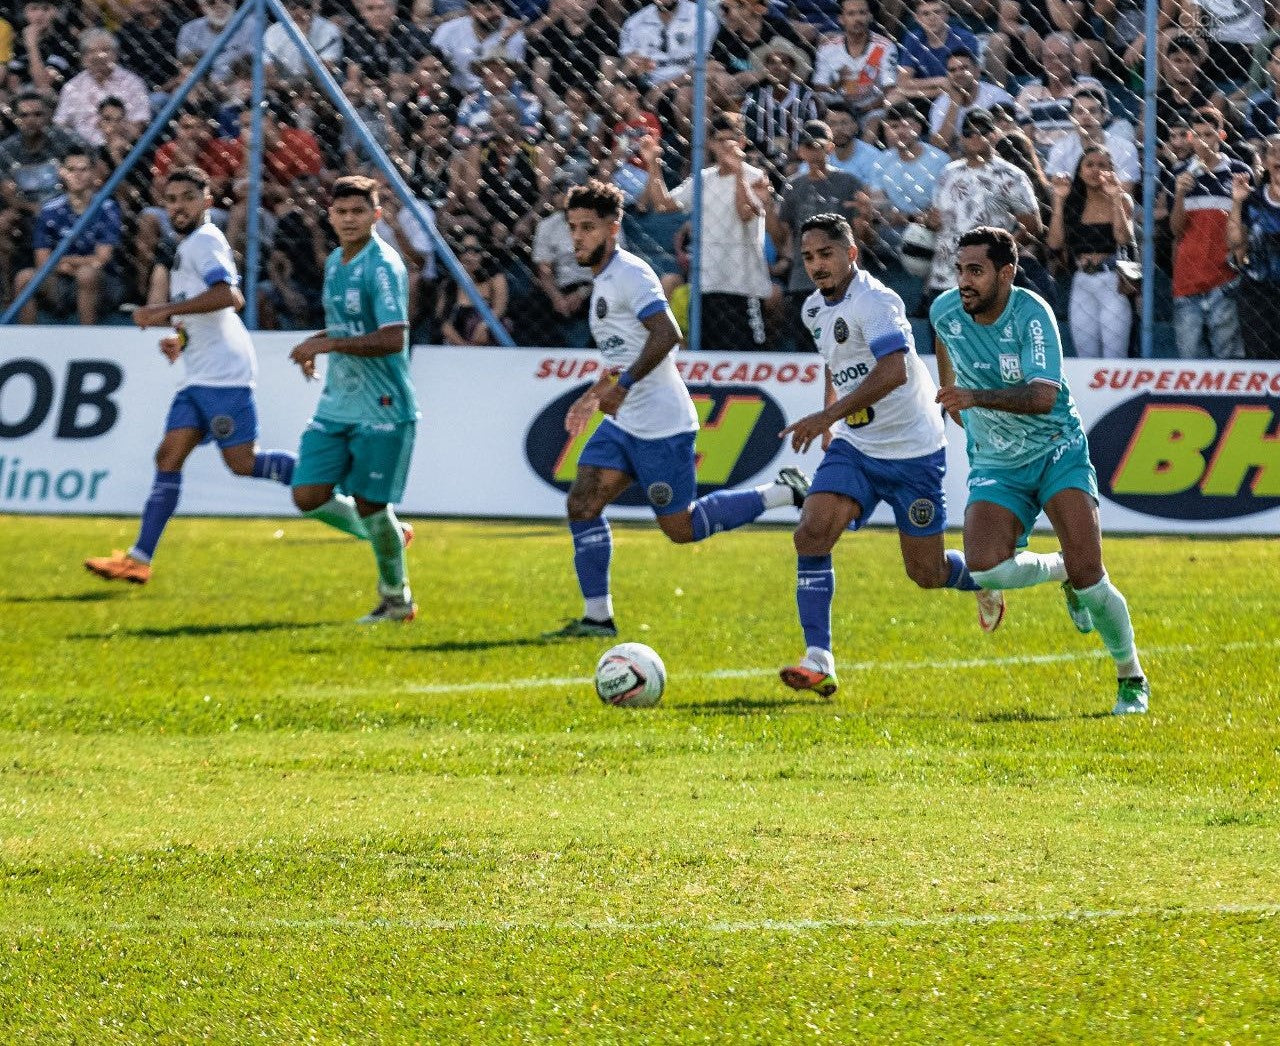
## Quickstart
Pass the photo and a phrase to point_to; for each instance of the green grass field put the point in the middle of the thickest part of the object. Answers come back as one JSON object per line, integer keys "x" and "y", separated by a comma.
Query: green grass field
{"x": 229, "y": 815}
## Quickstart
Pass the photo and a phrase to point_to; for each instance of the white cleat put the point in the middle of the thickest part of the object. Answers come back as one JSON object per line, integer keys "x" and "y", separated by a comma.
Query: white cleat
{"x": 796, "y": 482}
{"x": 990, "y": 609}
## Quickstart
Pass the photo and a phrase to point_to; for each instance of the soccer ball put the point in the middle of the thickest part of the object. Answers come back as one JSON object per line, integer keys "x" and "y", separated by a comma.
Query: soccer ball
{"x": 631, "y": 675}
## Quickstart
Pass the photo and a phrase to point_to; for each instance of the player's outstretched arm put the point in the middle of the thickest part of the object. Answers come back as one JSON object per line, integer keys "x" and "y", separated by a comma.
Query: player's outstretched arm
{"x": 1035, "y": 397}
{"x": 219, "y": 296}
{"x": 888, "y": 374}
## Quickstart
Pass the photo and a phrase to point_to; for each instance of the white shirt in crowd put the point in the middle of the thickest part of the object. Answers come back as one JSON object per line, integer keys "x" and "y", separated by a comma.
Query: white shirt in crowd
{"x": 990, "y": 194}
{"x": 732, "y": 250}
{"x": 1065, "y": 155}
{"x": 877, "y": 66}
{"x": 552, "y": 245}
{"x": 852, "y": 334}
{"x": 626, "y": 292}
{"x": 219, "y": 351}
{"x": 322, "y": 35}
{"x": 988, "y": 95}
{"x": 669, "y": 46}
{"x": 419, "y": 238}
{"x": 457, "y": 41}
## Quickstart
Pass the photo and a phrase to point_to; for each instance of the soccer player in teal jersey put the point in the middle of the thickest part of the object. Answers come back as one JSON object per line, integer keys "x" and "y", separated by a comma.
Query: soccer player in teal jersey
{"x": 1000, "y": 368}
{"x": 361, "y": 436}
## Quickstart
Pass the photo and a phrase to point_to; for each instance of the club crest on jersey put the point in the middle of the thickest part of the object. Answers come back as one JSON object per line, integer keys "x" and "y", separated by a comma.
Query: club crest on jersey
{"x": 602, "y": 308}
{"x": 660, "y": 494}
{"x": 221, "y": 426}
{"x": 352, "y": 302}
{"x": 954, "y": 325}
{"x": 1010, "y": 367}
{"x": 841, "y": 331}
{"x": 921, "y": 512}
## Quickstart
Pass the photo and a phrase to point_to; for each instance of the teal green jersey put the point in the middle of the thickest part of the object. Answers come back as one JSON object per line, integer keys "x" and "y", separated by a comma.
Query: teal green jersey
{"x": 367, "y": 293}
{"x": 1023, "y": 345}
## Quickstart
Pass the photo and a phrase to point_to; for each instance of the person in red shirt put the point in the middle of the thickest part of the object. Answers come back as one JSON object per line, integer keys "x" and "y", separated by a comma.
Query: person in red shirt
{"x": 288, "y": 153}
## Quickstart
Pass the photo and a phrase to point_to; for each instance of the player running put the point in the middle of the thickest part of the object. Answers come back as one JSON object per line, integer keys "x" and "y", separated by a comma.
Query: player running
{"x": 215, "y": 402}
{"x": 888, "y": 445}
{"x": 1000, "y": 364}
{"x": 648, "y": 436}
{"x": 361, "y": 436}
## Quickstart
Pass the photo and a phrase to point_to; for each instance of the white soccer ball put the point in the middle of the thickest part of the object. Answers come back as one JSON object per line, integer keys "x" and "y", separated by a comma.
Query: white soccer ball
{"x": 630, "y": 675}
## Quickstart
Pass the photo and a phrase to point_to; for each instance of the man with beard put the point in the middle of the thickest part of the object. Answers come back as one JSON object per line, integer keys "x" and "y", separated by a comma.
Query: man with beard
{"x": 215, "y": 403}
{"x": 1000, "y": 372}
{"x": 648, "y": 434}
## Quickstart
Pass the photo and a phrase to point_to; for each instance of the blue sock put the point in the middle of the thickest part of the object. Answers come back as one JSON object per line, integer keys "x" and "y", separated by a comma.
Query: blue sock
{"x": 274, "y": 464}
{"x": 815, "y": 588}
{"x": 592, "y": 552}
{"x": 959, "y": 576}
{"x": 160, "y": 506}
{"x": 725, "y": 510}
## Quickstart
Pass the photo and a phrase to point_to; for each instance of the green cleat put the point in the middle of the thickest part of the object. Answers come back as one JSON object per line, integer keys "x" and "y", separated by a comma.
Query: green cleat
{"x": 1132, "y": 696}
{"x": 1080, "y": 616}
{"x": 584, "y": 628}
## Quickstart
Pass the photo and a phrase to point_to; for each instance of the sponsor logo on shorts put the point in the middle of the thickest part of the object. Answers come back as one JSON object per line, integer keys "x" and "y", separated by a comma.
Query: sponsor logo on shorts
{"x": 222, "y": 426}
{"x": 660, "y": 494}
{"x": 921, "y": 512}
{"x": 1010, "y": 367}
{"x": 602, "y": 308}
{"x": 840, "y": 331}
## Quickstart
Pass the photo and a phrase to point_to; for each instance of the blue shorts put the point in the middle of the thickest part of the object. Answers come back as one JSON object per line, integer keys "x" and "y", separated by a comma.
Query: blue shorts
{"x": 912, "y": 487}
{"x": 227, "y": 416}
{"x": 665, "y": 468}
{"x": 1025, "y": 489}
{"x": 366, "y": 461}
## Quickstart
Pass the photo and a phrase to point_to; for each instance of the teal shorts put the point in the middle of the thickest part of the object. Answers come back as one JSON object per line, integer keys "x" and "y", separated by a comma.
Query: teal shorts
{"x": 1026, "y": 489}
{"x": 366, "y": 461}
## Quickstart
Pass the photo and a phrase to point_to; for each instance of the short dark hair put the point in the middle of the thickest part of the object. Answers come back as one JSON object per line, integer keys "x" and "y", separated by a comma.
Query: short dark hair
{"x": 604, "y": 199}
{"x": 33, "y": 94}
{"x": 963, "y": 52}
{"x": 355, "y": 185}
{"x": 192, "y": 174}
{"x": 1096, "y": 93}
{"x": 726, "y": 121}
{"x": 111, "y": 101}
{"x": 841, "y": 106}
{"x": 834, "y": 225}
{"x": 1206, "y": 114}
{"x": 1001, "y": 247}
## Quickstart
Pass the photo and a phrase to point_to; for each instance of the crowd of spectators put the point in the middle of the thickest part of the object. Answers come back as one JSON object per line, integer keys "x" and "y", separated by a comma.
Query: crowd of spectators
{"x": 915, "y": 118}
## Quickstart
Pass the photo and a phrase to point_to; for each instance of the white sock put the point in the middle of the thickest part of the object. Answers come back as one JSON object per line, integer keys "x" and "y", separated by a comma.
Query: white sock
{"x": 340, "y": 513}
{"x": 776, "y": 495}
{"x": 598, "y": 608}
{"x": 1022, "y": 571}
{"x": 823, "y": 660}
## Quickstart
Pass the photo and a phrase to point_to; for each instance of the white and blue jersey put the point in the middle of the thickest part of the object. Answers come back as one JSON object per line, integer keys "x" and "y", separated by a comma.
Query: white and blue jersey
{"x": 625, "y": 293}
{"x": 219, "y": 351}
{"x": 852, "y": 334}
{"x": 1022, "y": 345}
{"x": 893, "y": 451}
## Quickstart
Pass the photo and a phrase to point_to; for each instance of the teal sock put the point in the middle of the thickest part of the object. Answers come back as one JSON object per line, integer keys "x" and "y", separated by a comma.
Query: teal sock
{"x": 340, "y": 513}
{"x": 1111, "y": 619}
{"x": 388, "y": 549}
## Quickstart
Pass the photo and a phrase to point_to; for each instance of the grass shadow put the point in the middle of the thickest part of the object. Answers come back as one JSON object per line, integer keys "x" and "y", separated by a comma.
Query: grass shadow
{"x": 463, "y": 646}
{"x": 69, "y": 597}
{"x": 1022, "y": 715}
{"x": 744, "y": 706}
{"x": 204, "y": 630}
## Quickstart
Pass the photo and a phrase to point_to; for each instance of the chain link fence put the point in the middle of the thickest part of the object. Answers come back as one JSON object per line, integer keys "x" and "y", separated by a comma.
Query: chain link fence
{"x": 915, "y": 120}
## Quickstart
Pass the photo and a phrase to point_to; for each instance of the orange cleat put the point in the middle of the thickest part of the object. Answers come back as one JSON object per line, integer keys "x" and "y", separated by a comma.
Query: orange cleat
{"x": 406, "y": 533}
{"x": 119, "y": 566}
{"x": 804, "y": 677}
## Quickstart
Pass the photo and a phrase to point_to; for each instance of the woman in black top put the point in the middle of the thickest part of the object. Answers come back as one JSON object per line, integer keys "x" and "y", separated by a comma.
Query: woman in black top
{"x": 1092, "y": 223}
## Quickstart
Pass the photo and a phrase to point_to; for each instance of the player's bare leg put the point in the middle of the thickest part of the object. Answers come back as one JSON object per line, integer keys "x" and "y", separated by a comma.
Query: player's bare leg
{"x": 930, "y": 564}
{"x": 1074, "y": 516}
{"x": 593, "y": 490}
{"x": 135, "y": 565}
{"x": 823, "y": 519}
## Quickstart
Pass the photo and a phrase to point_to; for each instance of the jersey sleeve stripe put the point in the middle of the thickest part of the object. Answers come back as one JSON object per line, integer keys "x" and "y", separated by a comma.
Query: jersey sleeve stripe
{"x": 218, "y": 274}
{"x": 894, "y": 341}
{"x": 1047, "y": 381}
{"x": 652, "y": 309}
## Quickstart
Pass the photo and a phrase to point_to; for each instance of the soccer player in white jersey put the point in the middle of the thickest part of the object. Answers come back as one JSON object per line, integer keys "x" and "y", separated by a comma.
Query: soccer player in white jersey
{"x": 215, "y": 402}
{"x": 1000, "y": 367}
{"x": 648, "y": 436}
{"x": 887, "y": 445}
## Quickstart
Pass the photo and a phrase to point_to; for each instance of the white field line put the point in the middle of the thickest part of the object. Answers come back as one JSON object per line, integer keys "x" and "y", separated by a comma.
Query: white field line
{"x": 611, "y": 926}
{"x": 540, "y": 682}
